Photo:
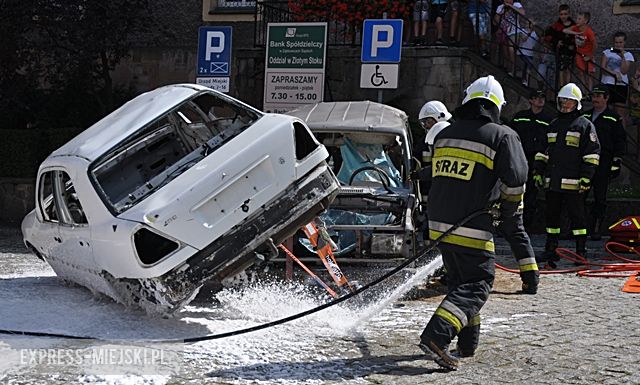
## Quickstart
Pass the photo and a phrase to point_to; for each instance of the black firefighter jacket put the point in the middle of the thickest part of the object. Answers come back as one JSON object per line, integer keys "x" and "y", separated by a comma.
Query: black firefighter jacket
{"x": 611, "y": 134}
{"x": 573, "y": 152}
{"x": 470, "y": 157}
{"x": 532, "y": 130}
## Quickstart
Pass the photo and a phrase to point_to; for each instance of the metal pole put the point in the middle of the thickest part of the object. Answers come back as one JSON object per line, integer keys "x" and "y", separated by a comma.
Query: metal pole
{"x": 384, "y": 16}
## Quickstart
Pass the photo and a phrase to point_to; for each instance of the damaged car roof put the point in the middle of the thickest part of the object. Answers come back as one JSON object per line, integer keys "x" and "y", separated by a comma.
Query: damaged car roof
{"x": 352, "y": 116}
{"x": 126, "y": 120}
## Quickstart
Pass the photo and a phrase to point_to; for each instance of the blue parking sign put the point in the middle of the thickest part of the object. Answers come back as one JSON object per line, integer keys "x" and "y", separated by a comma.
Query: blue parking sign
{"x": 214, "y": 51}
{"x": 381, "y": 40}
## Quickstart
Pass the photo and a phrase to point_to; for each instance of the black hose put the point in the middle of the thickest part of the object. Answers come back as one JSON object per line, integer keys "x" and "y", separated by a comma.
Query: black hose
{"x": 280, "y": 321}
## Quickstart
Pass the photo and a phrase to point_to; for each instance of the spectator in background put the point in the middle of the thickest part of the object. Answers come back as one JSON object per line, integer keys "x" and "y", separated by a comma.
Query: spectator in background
{"x": 586, "y": 44}
{"x": 562, "y": 44}
{"x": 420, "y": 17}
{"x": 479, "y": 13}
{"x": 507, "y": 19}
{"x": 615, "y": 67}
{"x": 455, "y": 28}
{"x": 528, "y": 39}
{"x": 437, "y": 13}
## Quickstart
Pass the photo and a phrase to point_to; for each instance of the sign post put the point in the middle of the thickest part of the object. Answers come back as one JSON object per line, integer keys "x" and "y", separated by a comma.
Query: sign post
{"x": 214, "y": 57}
{"x": 294, "y": 65}
{"x": 381, "y": 45}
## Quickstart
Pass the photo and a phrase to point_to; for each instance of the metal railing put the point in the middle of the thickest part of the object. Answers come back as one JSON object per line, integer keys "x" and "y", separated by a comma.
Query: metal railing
{"x": 339, "y": 31}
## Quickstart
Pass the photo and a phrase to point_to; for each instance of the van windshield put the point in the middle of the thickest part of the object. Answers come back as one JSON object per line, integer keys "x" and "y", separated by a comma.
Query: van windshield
{"x": 167, "y": 147}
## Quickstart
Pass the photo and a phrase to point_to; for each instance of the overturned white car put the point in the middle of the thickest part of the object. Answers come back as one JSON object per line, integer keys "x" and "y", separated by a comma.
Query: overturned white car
{"x": 178, "y": 187}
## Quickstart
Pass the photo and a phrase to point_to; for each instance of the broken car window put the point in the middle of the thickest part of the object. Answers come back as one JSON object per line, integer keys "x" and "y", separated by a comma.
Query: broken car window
{"x": 167, "y": 147}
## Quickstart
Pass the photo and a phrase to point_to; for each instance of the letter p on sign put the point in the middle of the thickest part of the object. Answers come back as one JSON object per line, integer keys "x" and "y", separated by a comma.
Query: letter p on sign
{"x": 382, "y": 38}
{"x": 381, "y": 41}
{"x": 215, "y": 43}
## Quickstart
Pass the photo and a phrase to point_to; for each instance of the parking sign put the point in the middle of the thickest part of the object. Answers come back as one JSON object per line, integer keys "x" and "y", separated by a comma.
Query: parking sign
{"x": 214, "y": 51}
{"x": 381, "y": 40}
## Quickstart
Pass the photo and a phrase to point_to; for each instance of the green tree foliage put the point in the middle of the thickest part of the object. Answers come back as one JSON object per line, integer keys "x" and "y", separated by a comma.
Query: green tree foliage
{"x": 56, "y": 58}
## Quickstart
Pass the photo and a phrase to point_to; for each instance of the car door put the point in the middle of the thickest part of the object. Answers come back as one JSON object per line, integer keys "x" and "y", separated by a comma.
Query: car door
{"x": 74, "y": 232}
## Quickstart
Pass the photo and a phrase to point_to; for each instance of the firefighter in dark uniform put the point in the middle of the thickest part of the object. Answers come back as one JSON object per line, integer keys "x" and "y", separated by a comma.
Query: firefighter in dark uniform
{"x": 613, "y": 143}
{"x": 566, "y": 168}
{"x": 470, "y": 157}
{"x": 531, "y": 125}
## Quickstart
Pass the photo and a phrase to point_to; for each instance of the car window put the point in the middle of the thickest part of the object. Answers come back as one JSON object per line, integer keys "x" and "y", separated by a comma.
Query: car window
{"x": 70, "y": 201}
{"x": 58, "y": 199}
{"x": 167, "y": 147}
{"x": 48, "y": 206}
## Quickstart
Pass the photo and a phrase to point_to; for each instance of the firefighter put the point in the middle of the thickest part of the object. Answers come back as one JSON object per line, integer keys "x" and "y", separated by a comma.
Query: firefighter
{"x": 470, "y": 157}
{"x": 531, "y": 125}
{"x": 432, "y": 112}
{"x": 566, "y": 168}
{"x": 612, "y": 138}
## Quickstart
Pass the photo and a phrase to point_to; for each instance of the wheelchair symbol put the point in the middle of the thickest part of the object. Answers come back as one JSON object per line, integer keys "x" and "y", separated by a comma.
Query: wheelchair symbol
{"x": 377, "y": 79}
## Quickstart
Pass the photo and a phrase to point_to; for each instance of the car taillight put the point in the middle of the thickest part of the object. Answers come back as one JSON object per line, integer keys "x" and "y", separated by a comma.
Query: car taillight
{"x": 152, "y": 247}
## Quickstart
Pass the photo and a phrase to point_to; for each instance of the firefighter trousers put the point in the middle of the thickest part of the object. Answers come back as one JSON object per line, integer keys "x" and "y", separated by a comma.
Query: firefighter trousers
{"x": 470, "y": 276}
{"x": 511, "y": 227}
{"x": 600, "y": 184}
{"x": 575, "y": 206}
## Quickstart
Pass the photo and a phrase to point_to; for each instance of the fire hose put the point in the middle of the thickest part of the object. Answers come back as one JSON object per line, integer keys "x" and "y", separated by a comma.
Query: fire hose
{"x": 280, "y": 321}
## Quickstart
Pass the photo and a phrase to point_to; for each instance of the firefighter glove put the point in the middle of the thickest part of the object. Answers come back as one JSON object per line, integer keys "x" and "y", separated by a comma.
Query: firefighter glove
{"x": 537, "y": 179}
{"x": 584, "y": 184}
{"x": 615, "y": 168}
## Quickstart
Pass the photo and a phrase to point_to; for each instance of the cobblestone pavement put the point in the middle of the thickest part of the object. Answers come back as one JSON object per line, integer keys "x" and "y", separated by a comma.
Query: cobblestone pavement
{"x": 574, "y": 331}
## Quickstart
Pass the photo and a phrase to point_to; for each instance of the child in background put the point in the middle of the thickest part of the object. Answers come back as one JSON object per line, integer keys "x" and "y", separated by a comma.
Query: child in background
{"x": 507, "y": 20}
{"x": 586, "y": 43}
{"x": 528, "y": 39}
{"x": 562, "y": 44}
{"x": 480, "y": 11}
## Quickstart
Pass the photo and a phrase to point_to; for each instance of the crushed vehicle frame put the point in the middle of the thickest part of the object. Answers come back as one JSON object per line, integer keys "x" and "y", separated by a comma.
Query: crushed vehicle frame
{"x": 179, "y": 187}
{"x": 370, "y": 150}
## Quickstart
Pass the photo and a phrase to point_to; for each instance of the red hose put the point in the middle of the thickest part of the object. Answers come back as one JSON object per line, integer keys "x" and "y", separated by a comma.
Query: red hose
{"x": 605, "y": 270}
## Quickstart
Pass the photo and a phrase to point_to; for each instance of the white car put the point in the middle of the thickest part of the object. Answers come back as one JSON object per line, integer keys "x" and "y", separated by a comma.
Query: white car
{"x": 179, "y": 187}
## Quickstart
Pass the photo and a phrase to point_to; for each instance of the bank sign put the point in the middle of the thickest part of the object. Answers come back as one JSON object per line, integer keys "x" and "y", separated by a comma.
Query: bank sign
{"x": 295, "y": 64}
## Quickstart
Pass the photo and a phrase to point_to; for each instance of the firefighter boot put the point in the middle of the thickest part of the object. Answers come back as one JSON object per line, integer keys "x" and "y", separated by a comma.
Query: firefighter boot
{"x": 440, "y": 355}
{"x": 468, "y": 338}
{"x": 549, "y": 254}
{"x": 530, "y": 280}
{"x": 581, "y": 247}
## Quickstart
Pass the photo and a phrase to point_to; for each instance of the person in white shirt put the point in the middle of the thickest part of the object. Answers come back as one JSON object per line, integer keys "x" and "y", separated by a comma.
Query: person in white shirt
{"x": 507, "y": 20}
{"x": 615, "y": 65}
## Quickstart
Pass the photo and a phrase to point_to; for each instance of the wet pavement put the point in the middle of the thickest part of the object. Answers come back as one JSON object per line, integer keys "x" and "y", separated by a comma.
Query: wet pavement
{"x": 574, "y": 331}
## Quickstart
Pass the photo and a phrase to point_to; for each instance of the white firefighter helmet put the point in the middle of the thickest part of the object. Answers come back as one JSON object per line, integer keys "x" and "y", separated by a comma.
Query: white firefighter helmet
{"x": 434, "y": 109}
{"x": 435, "y": 130}
{"x": 571, "y": 91}
{"x": 486, "y": 87}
